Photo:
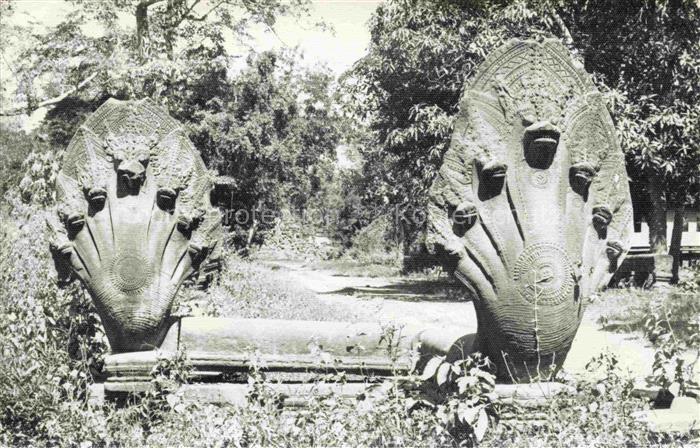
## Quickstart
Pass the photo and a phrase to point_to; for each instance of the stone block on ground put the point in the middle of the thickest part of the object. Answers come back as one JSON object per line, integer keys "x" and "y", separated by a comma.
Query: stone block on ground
{"x": 683, "y": 416}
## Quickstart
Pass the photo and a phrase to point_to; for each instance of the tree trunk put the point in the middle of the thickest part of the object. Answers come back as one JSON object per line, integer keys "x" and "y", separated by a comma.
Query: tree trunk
{"x": 142, "y": 30}
{"x": 173, "y": 20}
{"x": 675, "y": 249}
{"x": 656, "y": 217}
{"x": 254, "y": 227}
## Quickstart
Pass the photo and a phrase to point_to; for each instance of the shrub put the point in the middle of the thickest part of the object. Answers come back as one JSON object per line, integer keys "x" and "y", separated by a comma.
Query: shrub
{"x": 40, "y": 171}
{"x": 298, "y": 238}
{"x": 597, "y": 414}
{"x": 53, "y": 344}
{"x": 15, "y": 145}
{"x": 691, "y": 284}
{"x": 374, "y": 243}
{"x": 248, "y": 289}
{"x": 52, "y": 341}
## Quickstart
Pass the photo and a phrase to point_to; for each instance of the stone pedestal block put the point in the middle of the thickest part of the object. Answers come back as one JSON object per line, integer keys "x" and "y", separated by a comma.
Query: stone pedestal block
{"x": 225, "y": 350}
{"x": 683, "y": 416}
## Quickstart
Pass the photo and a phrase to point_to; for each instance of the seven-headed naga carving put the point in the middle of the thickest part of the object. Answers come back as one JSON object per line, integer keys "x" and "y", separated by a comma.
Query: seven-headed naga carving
{"x": 136, "y": 218}
{"x": 531, "y": 207}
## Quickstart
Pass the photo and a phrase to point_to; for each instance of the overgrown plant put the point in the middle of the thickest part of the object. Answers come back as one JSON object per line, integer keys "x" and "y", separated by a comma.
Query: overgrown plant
{"x": 461, "y": 394}
{"x": 671, "y": 369}
{"x": 52, "y": 342}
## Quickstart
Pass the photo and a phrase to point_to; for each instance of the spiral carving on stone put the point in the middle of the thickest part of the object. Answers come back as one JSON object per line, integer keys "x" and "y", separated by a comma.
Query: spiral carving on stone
{"x": 131, "y": 273}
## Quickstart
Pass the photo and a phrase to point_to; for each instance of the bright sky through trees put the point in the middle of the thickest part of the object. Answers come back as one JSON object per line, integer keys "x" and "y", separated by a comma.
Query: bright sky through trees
{"x": 338, "y": 48}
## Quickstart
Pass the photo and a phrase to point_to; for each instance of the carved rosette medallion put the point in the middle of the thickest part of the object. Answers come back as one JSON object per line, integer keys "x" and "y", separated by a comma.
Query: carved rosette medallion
{"x": 539, "y": 178}
{"x": 131, "y": 273}
{"x": 135, "y": 218}
{"x": 543, "y": 275}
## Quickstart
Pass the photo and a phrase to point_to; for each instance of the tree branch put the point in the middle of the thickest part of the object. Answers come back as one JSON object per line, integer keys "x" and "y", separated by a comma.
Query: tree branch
{"x": 19, "y": 110}
{"x": 186, "y": 13}
{"x": 204, "y": 16}
{"x": 566, "y": 35}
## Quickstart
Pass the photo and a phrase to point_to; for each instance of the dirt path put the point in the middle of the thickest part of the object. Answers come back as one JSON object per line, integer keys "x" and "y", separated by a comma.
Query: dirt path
{"x": 419, "y": 304}
{"x": 409, "y": 302}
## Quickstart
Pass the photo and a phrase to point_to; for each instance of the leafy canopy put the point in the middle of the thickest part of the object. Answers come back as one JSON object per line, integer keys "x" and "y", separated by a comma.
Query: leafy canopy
{"x": 645, "y": 55}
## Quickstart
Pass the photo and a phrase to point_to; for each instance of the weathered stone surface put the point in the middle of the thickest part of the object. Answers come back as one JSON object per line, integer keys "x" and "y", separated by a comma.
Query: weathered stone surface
{"x": 292, "y": 395}
{"x": 135, "y": 218}
{"x": 298, "y": 394}
{"x": 225, "y": 350}
{"x": 683, "y": 416}
{"x": 531, "y": 207}
{"x": 532, "y": 394}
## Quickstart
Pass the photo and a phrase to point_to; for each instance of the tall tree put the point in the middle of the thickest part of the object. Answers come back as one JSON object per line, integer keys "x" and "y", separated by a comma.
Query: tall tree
{"x": 407, "y": 88}
{"x": 144, "y": 48}
{"x": 270, "y": 127}
{"x": 275, "y": 134}
{"x": 648, "y": 54}
{"x": 644, "y": 54}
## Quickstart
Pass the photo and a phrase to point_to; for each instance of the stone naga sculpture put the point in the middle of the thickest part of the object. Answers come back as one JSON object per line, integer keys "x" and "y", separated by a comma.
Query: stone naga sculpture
{"x": 531, "y": 207}
{"x": 136, "y": 219}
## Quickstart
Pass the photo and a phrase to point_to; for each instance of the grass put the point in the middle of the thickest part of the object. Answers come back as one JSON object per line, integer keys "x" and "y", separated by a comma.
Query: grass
{"x": 249, "y": 289}
{"x": 630, "y": 310}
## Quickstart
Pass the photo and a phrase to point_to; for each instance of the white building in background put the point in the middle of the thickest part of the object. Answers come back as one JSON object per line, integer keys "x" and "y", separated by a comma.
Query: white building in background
{"x": 690, "y": 240}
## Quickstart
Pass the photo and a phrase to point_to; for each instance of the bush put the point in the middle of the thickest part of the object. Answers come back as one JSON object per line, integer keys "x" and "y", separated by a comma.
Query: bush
{"x": 298, "y": 238}
{"x": 691, "y": 284}
{"x": 15, "y": 145}
{"x": 52, "y": 341}
{"x": 374, "y": 243}
{"x": 38, "y": 183}
{"x": 597, "y": 414}
{"x": 53, "y": 344}
{"x": 248, "y": 289}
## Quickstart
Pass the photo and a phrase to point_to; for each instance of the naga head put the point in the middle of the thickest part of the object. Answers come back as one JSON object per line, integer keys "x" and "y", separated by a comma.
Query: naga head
{"x": 135, "y": 218}
{"x": 540, "y": 142}
{"x": 531, "y": 207}
{"x": 130, "y": 155}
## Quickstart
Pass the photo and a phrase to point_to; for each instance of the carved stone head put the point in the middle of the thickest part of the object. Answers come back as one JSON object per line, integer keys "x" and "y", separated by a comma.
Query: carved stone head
{"x": 535, "y": 165}
{"x": 135, "y": 218}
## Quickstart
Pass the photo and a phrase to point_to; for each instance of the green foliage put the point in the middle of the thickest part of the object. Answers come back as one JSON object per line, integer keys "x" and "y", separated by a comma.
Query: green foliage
{"x": 52, "y": 339}
{"x": 691, "y": 284}
{"x": 654, "y": 313}
{"x": 376, "y": 243}
{"x": 172, "y": 41}
{"x": 461, "y": 393}
{"x": 648, "y": 54}
{"x": 407, "y": 88}
{"x": 596, "y": 413}
{"x": 15, "y": 146}
{"x": 271, "y": 127}
{"x": 53, "y": 344}
{"x": 645, "y": 56}
{"x": 38, "y": 183}
{"x": 297, "y": 238}
{"x": 60, "y": 123}
{"x": 668, "y": 327}
{"x": 671, "y": 322}
{"x": 275, "y": 134}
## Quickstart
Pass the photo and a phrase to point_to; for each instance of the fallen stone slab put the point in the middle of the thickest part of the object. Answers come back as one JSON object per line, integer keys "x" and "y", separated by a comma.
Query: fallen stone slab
{"x": 682, "y": 416}
{"x": 531, "y": 394}
{"x": 222, "y": 350}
